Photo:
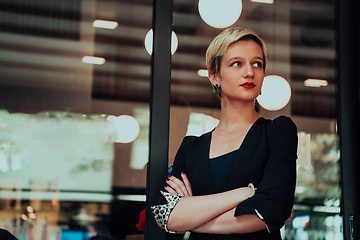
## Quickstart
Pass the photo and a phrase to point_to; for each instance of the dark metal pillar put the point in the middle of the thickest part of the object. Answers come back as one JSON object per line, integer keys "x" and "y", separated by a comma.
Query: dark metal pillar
{"x": 348, "y": 65}
{"x": 159, "y": 112}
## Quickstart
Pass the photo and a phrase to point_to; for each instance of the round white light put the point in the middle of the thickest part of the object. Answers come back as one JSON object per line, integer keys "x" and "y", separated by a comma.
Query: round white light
{"x": 126, "y": 127}
{"x": 111, "y": 118}
{"x": 149, "y": 42}
{"x": 276, "y": 93}
{"x": 29, "y": 209}
{"x": 220, "y": 14}
{"x": 300, "y": 221}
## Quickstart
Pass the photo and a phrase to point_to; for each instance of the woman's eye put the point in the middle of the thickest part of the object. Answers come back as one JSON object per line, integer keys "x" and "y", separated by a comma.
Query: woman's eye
{"x": 236, "y": 64}
{"x": 258, "y": 64}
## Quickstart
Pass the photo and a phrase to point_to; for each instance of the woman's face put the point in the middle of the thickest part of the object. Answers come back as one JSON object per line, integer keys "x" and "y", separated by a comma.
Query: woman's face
{"x": 241, "y": 73}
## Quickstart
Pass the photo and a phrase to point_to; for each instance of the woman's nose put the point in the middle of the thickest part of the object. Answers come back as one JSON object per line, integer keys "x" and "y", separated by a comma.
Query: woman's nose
{"x": 248, "y": 71}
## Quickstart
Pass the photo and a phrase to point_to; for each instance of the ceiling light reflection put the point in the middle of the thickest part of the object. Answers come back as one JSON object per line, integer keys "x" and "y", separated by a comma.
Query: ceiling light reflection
{"x": 276, "y": 93}
{"x": 264, "y": 1}
{"x": 105, "y": 24}
{"x": 93, "y": 60}
{"x": 220, "y": 14}
{"x": 326, "y": 209}
{"x": 202, "y": 73}
{"x": 130, "y": 197}
{"x": 149, "y": 42}
{"x": 315, "y": 82}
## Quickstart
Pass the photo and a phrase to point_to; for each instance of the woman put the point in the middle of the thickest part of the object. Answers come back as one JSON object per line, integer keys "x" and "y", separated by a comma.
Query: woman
{"x": 208, "y": 193}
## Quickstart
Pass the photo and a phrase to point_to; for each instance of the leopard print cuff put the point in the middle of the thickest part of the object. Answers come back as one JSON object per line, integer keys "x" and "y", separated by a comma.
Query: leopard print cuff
{"x": 162, "y": 212}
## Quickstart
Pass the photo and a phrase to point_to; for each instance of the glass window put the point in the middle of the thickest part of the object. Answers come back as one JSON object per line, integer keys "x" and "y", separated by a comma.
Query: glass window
{"x": 74, "y": 117}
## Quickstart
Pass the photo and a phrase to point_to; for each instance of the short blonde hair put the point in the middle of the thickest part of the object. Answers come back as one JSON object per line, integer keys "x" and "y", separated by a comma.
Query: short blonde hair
{"x": 221, "y": 42}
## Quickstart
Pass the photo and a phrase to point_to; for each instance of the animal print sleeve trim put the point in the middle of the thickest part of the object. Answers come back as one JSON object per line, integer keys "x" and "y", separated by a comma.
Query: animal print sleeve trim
{"x": 162, "y": 212}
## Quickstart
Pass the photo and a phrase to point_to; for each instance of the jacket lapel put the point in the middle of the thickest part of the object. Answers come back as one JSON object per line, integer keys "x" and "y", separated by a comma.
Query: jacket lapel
{"x": 199, "y": 167}
{"x": 243, "y": 169}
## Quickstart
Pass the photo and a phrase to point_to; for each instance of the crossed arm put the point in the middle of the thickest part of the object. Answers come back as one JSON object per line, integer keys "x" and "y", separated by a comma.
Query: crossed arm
{"x": 210, "y": 213}
{"x": 275, "y": 190}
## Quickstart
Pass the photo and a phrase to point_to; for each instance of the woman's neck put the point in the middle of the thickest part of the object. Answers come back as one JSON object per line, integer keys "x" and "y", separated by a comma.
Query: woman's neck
{"x": 235, "y": 115}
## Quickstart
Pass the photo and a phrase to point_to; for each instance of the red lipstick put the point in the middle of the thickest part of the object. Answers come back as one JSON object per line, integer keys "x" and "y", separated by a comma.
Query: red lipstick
{"x": 248, "y": 85}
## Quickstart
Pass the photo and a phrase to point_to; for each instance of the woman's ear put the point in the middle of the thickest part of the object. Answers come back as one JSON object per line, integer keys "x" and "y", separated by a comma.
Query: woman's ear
{"x": 213, "y": 78}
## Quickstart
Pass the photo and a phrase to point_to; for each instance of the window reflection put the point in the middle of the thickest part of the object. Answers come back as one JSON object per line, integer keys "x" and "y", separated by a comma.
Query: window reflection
{"x": 317, "y": 208}
{"x": 73, "y": 149}
{"x": 65, "y": 170}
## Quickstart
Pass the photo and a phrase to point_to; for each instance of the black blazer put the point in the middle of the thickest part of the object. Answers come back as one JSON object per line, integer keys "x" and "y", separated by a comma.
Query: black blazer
{"x": 266, "y": 158}
{"x": 6, "y": 235}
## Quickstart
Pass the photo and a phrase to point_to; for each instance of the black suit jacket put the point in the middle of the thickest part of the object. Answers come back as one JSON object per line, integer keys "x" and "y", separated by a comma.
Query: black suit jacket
{"x": 266, "y": 158}
{"x": 6, "y": 235}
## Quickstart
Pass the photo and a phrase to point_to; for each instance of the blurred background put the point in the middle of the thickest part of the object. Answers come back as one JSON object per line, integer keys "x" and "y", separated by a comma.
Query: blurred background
{"x": 74, "y": 107}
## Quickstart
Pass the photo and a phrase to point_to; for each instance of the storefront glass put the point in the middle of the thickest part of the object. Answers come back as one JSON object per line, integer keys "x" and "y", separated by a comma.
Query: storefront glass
{"x": 75, "y": 90}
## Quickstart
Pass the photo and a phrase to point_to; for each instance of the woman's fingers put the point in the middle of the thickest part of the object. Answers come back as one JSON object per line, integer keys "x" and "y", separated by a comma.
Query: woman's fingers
{"x": 170, "y": 190}
{"x": 291, "y": 215}
{"x": 177, "y": 185}
{"x": 187, "y": 183}
{"x": 181, "y": 185}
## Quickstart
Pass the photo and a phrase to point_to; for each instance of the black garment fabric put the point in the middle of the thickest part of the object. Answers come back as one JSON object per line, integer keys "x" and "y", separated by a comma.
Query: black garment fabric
{"x": 220, "y": 167}
{"x": 6, "y": 235}
{"x": 266, "y": 158}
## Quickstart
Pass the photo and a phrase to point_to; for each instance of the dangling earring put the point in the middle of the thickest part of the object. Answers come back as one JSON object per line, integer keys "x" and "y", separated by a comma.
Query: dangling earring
{"x": 217, "y": 89}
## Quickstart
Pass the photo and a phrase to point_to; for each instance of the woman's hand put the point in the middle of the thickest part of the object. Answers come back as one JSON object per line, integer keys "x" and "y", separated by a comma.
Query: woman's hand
{"x": 291, "y": 215}
{"x": 246, "y": 192}
{"x": 176, "y": 186}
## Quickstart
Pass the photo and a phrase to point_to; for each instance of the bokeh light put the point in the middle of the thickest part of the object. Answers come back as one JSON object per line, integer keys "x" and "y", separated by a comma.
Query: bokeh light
{"x": 300, "y": 221}
{"x": 202, "y": 72}
{"x": 126, "y": 127}
{"x": 93, "y": 60}
{"x": 105, "y": 24}
{"x": 30, "y": 209}
{"x": 315, "y": 82}
{"x": 220, "y": 14}
{"x": 276, "y": 93}
{"x": 149, "y": 42}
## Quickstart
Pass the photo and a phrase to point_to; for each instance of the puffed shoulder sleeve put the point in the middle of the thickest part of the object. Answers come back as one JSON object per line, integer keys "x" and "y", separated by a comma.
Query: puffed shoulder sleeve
{"x": 179, "y": 164}
{"x": 274, "y": 197}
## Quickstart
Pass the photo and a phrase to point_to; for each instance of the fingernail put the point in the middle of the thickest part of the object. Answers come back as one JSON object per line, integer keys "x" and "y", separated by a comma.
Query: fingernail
{"x": 165, "y": 186}
{"x": 169, "y": 176}
{"x": 167, "y": 179}
{"x": 182, "y": 173}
